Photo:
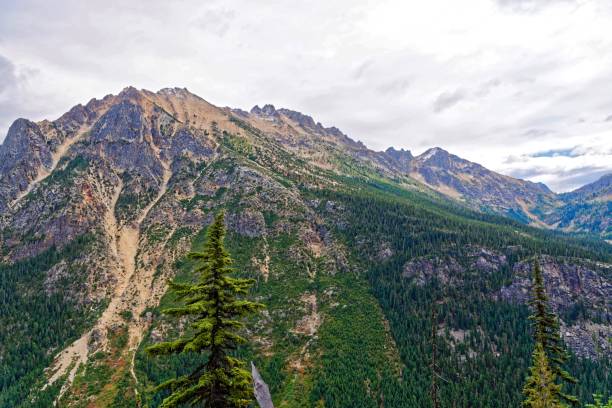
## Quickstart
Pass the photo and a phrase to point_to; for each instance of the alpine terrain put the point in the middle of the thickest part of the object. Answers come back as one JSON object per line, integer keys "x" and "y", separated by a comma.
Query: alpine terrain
{"x": 359, "y": 256}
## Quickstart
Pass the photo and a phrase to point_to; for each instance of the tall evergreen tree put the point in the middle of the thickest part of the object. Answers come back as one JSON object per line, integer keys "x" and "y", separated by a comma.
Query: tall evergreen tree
{"x": 541, "y": 389}
{"x": 216, "y": 304}
{"x": 546, "y": 333}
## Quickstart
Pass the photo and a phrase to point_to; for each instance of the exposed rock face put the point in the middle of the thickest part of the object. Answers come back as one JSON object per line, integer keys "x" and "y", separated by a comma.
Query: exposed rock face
{"x": 267, "y": 110}
{"x": 299, "y": 131}
{"x": 384, "y": 251}
{"x": 24, "y": 151}
{"x": 587, "y": 339}
{"x": 579, "y": 290}
{"x": 478, "y": 187}
{"x": 486, "y": 260}
{"x": 402, "y": 157}
{"x": 248, "y": 222}
{"x": 122, "y": 122}
{"x": 446, "y": 270}
{"x": 261, "y": 390}
{"x": 570, "y": 285}
{"x": 140, "y": 173}
{"x": 58, "y": 272}
{"x": 566, "y": 282}
{"x": 587, "y": 209}
{"x": 449, "y": 270}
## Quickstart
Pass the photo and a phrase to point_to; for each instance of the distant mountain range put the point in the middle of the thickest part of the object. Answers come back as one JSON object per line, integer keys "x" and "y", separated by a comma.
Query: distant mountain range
{"x": 585, "y": 210}
{"x": 470, "y": 183}
{"x": 350, "y": 249}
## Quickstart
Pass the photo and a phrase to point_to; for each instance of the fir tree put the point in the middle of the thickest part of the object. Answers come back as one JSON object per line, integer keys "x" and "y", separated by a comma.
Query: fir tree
{"x": 546, "y": 333}
{"x": 216, "y": 305}
{"x": 541, "y": 389}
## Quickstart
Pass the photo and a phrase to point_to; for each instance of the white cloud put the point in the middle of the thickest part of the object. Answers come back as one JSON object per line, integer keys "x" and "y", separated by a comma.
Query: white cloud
{"x": 448, "y": 99}
{"x": 487, "y": 79}
{"x": 564, "y": 165}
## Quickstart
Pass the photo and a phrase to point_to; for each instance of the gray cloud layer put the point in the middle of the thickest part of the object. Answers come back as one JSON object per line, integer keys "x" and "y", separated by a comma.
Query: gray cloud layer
{"x": 495, "y": 80}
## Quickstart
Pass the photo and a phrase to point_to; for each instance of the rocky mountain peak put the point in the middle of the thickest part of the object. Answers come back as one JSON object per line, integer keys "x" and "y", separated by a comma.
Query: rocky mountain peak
{"x": 20, "y": 127}
{"x": 291, "y": 117}
{"x": 99, "y": 207}
{"x": 175, "y": 91}
{"x": 129, "y": 92}
{"x": 438, "y": 157}
{"x": 399, "y": 154}
{"x": 142, "y": 118}
{"x": 402, "y": 158}
{"x": 600, "y": 188}
{"x": 336, "y": 132}
{"x": 303, "y": 120}
{"x": 435, "y": 153}
{"x": 267, "y": 110}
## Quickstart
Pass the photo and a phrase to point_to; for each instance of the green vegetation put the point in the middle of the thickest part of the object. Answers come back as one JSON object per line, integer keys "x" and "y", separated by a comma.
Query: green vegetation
{"x": 541, "y": 389}
{"x": 548, "y": 339}
{"x": 599, "y": 403}
{"x": 43, "y": 320}
{"x": 214, "y": 303}
{"x": 104, "y": 381}
{"x": 496, "y": 333}
{"x": 345, "y": 325}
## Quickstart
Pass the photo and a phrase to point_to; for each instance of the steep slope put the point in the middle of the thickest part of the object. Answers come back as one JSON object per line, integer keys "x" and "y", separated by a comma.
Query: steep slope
{"x": 349, "y": 253}
{"x": 481, "y": 188}
{"x": 599, "y": 190}
{"x": 587, "y": 209}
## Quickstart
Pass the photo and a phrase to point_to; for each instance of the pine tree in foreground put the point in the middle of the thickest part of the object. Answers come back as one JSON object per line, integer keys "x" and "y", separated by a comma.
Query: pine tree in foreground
{"x": 215, "y": 304}
{"x": 546, "y": 333}
{"x": 541, "y": 390}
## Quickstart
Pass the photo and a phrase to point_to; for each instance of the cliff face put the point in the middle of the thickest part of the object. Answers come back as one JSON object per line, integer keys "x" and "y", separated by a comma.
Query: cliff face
{"x": 586, "y": 210}
{"x": 100, "y": 206}
{"x": 580, "y": 292}
{"x": 473, "y": 184}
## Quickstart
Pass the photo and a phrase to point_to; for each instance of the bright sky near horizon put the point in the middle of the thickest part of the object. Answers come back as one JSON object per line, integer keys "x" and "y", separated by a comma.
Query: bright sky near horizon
{"x": 520, "y": 86}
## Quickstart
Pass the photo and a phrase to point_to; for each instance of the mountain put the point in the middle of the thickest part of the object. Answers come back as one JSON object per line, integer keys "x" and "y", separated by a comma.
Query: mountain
{"x": 348, "y": 247}
{"x": 599, "y": 190}
{"x": 480, "y": 188}
{"x": 586, "y": 210}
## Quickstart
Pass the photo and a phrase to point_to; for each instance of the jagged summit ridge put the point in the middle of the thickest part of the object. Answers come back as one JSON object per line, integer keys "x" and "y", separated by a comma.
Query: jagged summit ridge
{"x": 117, "y": 191}
{"x": 306, "y": 121}
{"x": 31, "y": 151}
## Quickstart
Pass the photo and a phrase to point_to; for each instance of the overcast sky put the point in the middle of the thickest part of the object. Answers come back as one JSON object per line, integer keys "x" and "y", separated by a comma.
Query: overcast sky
{"x": 523, "y": 87}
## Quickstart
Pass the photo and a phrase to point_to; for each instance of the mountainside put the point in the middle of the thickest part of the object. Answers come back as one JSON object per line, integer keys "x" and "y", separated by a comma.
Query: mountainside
{"x": 586, "y": 210}
{"x": 350, "y": 249}
{"x": 599, "y": 190}
{"x": 481, "y": 188}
